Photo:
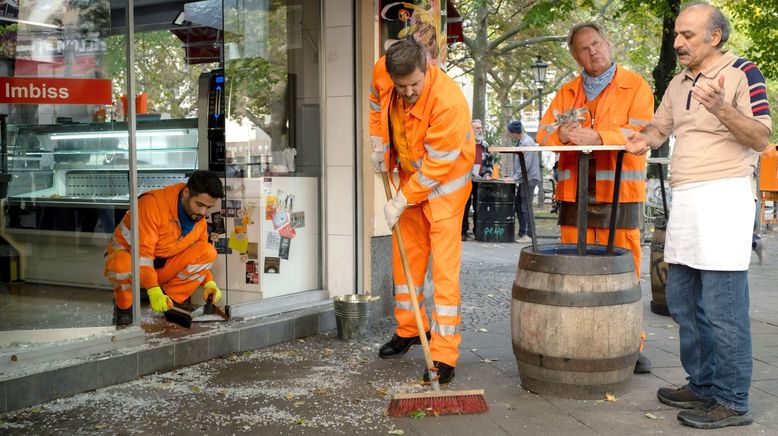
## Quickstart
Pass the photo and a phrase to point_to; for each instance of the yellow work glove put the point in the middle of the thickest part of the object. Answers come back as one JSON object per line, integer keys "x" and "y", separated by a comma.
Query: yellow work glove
{"x": 159, "y": 301}
{"x": 211, "y": 288}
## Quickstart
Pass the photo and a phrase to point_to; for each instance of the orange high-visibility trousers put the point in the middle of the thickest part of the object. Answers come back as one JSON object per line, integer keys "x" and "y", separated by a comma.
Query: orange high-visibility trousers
{"x": 423, "y": 236}
{"x": 624, "y": 238}
{"x": 179, "y": 278}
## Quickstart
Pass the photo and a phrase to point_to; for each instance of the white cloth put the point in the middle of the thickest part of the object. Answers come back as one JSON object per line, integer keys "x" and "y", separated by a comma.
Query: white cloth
{"x": 711, "y": 225}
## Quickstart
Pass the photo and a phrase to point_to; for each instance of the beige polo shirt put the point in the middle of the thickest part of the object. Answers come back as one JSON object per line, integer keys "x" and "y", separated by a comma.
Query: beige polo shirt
{"x": 704, "y": 148}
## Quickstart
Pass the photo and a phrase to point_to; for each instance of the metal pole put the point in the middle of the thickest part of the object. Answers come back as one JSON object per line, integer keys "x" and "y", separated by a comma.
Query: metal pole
{"x": 541, "y": 194}
{"x": 133, "y": 161}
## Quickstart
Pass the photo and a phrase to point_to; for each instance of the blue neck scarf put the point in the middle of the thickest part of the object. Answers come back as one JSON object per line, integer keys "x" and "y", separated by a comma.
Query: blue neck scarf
{"x": 593, "y": 86}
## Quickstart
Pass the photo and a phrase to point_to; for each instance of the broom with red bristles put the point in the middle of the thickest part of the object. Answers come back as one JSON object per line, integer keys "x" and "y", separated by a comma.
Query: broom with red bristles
{"x": 436, "y": 402}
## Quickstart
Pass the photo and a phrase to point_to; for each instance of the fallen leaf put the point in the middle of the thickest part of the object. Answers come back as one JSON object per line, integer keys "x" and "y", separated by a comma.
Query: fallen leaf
{"x": 483, "y": 330}
{"x": 222, "y": 393}
{"x": 300, "y": 421}
{"x": 289, "y": 397}
{"x": 196, "y": 389}
{"x": 302, "y": 341}
{"x": 327, "y": 352}
{"x": 382, "y": 392}
{"x": 396, "y": 431}
{"x": 321, "y": 391}
{"x": 418, "y": 414}
{"x": 510, "y": 406}
{"x": 368, "y": 420}
{"x": 298, "y": 403}
{"x": 101, "y": 426}
{"x": 246, "y": 353}
{"x": 610, "y": 397}
{"x": 650, "y": 416}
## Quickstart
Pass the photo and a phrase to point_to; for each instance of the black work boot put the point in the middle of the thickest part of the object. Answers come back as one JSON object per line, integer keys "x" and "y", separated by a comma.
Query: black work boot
{"x": 682, "y": 397}
{"x": 122, "y": 316}
{"x": 445, "y": 373}
{"x": 398, "y": 346}
{"x": 714, "y": 416}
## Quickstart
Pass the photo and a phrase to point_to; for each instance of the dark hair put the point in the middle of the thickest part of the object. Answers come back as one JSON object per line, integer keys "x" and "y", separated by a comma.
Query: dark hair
{"x": 717, "y": 20}
{"x": 404, "y": 57}
{"x": 205, "y": 182}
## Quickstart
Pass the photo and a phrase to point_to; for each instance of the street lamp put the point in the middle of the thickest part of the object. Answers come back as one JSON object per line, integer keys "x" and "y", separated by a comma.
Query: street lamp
{"x": 539, "y": 69}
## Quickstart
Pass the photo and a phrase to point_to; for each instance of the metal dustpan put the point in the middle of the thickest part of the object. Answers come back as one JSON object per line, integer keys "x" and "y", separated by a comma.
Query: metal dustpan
{"x": 209, "y": 312}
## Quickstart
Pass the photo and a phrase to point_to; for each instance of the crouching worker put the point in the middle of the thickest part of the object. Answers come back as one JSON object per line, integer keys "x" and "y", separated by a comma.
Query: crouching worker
{"x": 175, "y": 255}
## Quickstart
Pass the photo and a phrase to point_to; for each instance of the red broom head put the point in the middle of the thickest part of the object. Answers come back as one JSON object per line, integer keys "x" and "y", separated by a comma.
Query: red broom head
{"x": 452, "y": 404}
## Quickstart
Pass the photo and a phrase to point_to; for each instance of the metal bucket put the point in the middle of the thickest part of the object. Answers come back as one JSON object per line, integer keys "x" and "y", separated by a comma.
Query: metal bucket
{"x": 353, "y": 315}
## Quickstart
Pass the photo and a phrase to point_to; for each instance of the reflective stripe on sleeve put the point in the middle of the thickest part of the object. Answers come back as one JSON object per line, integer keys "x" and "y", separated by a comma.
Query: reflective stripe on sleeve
{"x": 565, "y": 175}
{"x": 442, "y": 155}
{"x": 450, "y": 187}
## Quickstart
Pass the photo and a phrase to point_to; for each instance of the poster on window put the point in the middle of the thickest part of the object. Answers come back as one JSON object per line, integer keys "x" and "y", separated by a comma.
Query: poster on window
{"x": 418, "y": 19}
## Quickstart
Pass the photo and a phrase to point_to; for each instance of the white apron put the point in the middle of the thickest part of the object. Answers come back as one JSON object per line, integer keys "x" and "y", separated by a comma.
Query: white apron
{"x": 711, "y": 225}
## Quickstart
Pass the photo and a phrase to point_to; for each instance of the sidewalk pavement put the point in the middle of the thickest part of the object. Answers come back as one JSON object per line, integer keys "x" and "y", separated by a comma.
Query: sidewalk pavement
{"x": 321, "y": 385}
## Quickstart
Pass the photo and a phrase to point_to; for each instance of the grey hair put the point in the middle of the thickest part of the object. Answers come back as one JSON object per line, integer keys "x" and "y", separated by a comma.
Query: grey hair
{"x": 476, "y": 120}
{"x": 717, "y": 21}
{"x": 586, "y": 25}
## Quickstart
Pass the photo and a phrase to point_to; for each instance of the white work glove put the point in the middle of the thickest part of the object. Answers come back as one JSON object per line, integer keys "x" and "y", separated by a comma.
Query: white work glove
{"x": 394, "y": 208}
{"x": 379, "y": 164}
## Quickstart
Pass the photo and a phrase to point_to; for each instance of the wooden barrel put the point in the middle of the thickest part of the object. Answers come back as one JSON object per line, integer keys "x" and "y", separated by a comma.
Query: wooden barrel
{"x": 658, "y": 272}
{"x": 495, "y": 212}
{"x": 575, "y": 320}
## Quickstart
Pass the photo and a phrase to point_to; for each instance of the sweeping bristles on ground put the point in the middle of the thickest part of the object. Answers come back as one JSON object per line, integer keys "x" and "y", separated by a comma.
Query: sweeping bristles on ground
{"x": 438, "y": 403}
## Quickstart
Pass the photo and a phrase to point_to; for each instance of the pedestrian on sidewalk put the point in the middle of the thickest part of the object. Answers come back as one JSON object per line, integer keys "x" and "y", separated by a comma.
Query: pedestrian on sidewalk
{"x": 426, "y": 120}
{"x": 616, "y": 102}
{"x": 482, "y": 169}
{"x": 717, "y": 108}
{"x": 515, "y": 132}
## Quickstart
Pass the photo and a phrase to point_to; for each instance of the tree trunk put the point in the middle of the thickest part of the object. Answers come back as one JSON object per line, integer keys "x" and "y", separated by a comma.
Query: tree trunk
{"x": 482, "y": 64}
{"x": 663, "y": 73}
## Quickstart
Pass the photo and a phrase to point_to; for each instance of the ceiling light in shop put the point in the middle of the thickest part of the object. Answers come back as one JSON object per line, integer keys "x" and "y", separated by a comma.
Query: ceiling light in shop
{"x": 102, "y": 135}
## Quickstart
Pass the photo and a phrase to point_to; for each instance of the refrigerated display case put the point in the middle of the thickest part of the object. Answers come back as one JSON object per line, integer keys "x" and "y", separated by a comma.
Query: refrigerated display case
{"x": 69, "y": 187}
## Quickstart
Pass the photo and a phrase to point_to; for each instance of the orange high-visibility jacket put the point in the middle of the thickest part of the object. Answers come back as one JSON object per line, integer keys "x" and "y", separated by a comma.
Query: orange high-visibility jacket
{"x": 439, "y": 136}
{"x": 627, "y": 103}
{"x": 160, "y": 232}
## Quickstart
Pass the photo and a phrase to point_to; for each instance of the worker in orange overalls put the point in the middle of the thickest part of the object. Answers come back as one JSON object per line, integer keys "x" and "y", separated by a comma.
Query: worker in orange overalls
{"x": 175, "y": 255}
{"x": 616, "y": 102}
{"x": 420, "y": 124}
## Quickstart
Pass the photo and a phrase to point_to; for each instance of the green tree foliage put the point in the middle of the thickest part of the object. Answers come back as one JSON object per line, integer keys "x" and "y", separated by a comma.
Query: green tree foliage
{"x": 758, "y": 19}
{"x": 160, "y": 70}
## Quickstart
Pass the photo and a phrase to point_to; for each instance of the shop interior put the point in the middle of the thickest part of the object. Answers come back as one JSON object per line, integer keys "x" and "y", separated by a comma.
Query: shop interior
{"x": 233, "y": 89}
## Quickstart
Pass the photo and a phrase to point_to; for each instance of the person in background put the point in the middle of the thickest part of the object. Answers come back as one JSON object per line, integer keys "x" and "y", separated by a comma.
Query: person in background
{"x": 425, "y": 121}
{"x": 520, "y": 138}
{"x": 175, "y": 255}
{"x": 482, "y": 168}
{"x": 718, "y": 110}
{"x": 619, "y": 102}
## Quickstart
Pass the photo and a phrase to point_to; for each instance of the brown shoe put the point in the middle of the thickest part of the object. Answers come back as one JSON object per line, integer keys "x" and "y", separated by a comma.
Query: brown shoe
{"x": 715, "y": 416}
{"x": 682, "y": 397}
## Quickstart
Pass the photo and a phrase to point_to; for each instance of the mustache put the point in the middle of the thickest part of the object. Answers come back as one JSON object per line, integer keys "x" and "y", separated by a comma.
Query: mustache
{"x": 681, "y": 51}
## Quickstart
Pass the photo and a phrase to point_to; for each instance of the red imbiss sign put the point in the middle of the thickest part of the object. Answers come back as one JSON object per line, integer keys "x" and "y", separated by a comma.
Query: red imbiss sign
{"x": 49, "y": 90}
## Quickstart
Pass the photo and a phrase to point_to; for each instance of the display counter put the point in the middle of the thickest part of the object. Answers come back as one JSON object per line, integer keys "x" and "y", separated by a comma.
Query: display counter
{"x": 70, "y": 186}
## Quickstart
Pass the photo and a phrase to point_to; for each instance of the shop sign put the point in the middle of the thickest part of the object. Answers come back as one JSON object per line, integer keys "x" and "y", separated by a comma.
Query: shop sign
{"x": 49, "y": 90}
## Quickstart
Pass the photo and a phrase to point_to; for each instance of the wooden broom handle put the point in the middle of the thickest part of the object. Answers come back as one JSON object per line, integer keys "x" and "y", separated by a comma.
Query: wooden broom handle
{"x": 411, "y": 286}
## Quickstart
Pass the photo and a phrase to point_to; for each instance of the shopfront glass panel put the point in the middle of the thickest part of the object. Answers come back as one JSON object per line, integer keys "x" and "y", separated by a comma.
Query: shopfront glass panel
{"x": 268, "y": 233}
{"x": 64, "y": 173}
